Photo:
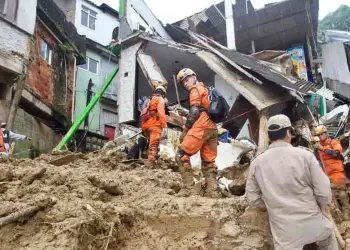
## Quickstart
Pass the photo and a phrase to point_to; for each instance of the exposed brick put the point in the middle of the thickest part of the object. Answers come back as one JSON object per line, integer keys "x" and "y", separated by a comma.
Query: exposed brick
{"x": 43, "y": 78}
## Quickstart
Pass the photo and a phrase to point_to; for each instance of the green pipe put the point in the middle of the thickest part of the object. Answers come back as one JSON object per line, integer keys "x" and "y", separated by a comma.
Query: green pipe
{"x": 121, "y": 8}
{"x": 86, "y": 111}
{"x": 323, "y": 110}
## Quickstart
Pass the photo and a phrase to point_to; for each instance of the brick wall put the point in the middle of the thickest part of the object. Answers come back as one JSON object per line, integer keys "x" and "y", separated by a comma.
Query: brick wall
{"x": 49, "y": 81}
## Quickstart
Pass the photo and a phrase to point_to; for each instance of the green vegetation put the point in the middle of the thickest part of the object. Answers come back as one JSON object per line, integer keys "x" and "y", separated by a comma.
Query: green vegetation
{"x": 337, "y": 20}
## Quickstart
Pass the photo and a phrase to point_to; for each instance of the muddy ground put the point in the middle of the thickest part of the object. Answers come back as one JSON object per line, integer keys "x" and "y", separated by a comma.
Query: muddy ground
{"x": 100, "y": 202}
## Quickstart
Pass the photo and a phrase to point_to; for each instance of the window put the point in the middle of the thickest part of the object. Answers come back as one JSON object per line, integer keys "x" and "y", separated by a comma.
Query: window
{"x": 91, "y": 65}
{"x": 8, "y": 9}
{"x": 88, "y": 17}
{"x": 2, "y": 6}
{"x": 46, "y": 52}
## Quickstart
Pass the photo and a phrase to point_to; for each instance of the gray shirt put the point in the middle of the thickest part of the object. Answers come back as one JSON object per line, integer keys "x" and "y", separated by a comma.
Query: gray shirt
{"x": 291, "y": 183}
{"x": 13, "y": 136}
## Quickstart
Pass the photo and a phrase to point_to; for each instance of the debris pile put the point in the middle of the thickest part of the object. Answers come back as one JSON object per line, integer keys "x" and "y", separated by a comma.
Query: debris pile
{"x": 102, "y": 201}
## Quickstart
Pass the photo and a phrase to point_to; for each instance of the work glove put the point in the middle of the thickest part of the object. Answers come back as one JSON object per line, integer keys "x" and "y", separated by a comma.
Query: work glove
{"x": 182, "y": 135}
{"x": 164, "y": 133}
{"x": 332, "y": 153}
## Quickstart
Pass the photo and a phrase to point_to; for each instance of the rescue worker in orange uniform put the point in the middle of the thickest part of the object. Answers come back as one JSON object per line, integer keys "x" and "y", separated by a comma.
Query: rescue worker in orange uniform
{"x": 156, "y": 126}
{"x": 330, "y": 150}
{"x": 199, "y": 134}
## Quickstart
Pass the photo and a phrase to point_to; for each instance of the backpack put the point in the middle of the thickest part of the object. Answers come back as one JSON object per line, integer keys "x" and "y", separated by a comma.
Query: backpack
{"x": 143, "y": 106}
{"x": 219, "y": 108}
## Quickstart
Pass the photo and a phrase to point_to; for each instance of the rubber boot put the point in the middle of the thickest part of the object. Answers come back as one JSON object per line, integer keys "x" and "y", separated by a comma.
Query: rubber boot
{"x": 211, "y": 187}
{"x": 187, "y": 189}
{"x": 344, "y": 200}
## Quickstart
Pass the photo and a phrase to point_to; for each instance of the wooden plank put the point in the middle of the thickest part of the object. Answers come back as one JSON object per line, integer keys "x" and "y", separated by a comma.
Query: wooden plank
{"x": 263, "y": 136}
{"x": 66, "y": 159}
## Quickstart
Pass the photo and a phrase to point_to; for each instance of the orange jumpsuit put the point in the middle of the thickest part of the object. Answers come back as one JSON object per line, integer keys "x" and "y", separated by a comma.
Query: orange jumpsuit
{"x": 203, "y": 135}
{"x": 2, "y": 142}
{"x": 333, "y": 165}
{"x": 153, "y": 126}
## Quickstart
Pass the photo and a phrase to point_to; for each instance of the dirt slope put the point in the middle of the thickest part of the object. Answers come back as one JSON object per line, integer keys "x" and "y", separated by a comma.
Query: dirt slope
{"x": 100, "y": 203}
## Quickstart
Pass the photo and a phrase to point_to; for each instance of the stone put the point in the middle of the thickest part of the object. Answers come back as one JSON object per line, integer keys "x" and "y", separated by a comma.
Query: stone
{"x": 231, "y": 229}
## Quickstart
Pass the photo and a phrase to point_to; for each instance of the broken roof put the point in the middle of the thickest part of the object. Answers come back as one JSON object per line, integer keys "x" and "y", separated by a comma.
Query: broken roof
{"x": 278, "y": 26}
{"x": 210, "y": 22}
{"x": 259, "y": 84}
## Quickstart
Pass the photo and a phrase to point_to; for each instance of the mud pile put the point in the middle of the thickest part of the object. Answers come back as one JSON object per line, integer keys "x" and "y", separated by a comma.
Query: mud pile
{"x": 101, "y": 201}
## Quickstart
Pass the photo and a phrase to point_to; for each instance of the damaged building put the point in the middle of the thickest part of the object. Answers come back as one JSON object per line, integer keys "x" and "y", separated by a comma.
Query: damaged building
{"x": 47, "y": 76}
{"x": 253, "y": 90}
{"x": 284, "y": 25}
{"x": 96, "y": 23}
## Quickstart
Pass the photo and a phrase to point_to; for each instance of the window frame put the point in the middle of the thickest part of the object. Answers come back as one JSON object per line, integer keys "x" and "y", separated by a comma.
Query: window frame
{"x": 3, "y": 12}
{"x": 10, "y": 10}
{"x": 90, "y": 14}
{"x": 88, "y": 65}
{"x": 48, "y": 49}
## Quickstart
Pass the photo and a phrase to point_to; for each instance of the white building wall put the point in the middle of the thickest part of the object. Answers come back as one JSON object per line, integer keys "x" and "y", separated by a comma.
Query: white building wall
{"x": 16, "y": 41}
{"x": 13, "y": 39}
{"x": 26, "y": 14}
{"x": 126, "y": 90}
{"x": 105, "y": 24}
{"x": 228, "y": 92}
{"x": 230, "y": 95}
{"x": 335, "y": 65}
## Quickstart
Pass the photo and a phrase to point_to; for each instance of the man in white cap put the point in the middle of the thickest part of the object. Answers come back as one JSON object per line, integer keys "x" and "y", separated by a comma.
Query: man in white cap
{"x": 291, "y": 185}
{"x": 5, "y": 137}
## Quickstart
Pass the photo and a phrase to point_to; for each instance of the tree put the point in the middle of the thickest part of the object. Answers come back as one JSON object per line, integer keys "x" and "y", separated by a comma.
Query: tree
{"x": 337, "y": 20}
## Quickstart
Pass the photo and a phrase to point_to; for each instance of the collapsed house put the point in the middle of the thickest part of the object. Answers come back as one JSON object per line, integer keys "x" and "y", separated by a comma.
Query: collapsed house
{"x": 253, "y": 90}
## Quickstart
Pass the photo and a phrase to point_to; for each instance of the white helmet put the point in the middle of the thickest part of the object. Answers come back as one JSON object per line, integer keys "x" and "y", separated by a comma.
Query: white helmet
{"x": 161, "y": 88}
{"x": 184, "y": 73}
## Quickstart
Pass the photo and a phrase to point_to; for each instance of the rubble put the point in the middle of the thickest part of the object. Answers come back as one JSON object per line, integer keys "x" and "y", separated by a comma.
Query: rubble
{"x": 100, "y": 202}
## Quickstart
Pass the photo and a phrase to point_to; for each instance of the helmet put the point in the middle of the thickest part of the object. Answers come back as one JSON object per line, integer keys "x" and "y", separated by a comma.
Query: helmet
{"x": 184, "y": 73}
{"x": 319, "y": 130}
{"x": 3, "y": 124}
{"x": 161, "y": 88}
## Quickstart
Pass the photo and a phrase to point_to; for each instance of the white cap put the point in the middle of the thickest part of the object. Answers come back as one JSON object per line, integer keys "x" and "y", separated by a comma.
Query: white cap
{"x": 279, "y": 121}
{"x": 3, "y": 124}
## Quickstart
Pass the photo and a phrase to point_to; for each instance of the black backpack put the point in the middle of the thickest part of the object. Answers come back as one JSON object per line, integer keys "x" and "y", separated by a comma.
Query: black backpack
{"x": 219, "y": 108}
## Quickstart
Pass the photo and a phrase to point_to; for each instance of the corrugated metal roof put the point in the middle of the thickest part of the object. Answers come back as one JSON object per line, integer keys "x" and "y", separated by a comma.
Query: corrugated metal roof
{"x": 326, "y": 93}
{"x": 305, "y": 86}
{"x": 252, "y": 64}
{"x": 216, "y": 18}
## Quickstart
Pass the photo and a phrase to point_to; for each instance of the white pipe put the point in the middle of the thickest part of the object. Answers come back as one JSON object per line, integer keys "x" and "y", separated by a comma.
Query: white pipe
{"x": 230, "y": 27}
